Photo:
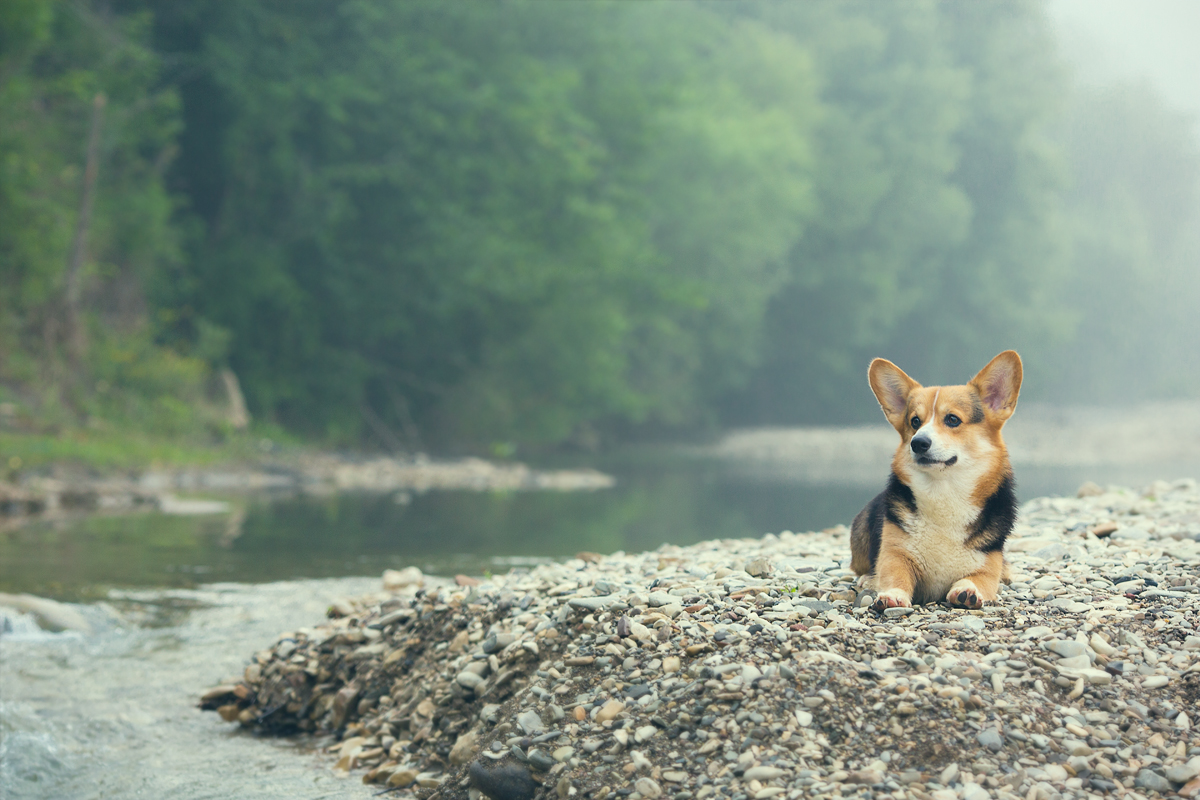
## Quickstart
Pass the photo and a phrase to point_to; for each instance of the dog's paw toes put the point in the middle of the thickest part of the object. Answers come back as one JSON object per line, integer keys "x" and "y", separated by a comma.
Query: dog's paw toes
{"x": 890, "y": 599}
{"x": 965, "y": 598}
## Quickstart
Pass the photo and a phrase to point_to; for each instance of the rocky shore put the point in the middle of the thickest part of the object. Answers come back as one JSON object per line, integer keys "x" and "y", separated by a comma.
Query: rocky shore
{"x": 746, "y": 669}
{"x": 69, "y": 492}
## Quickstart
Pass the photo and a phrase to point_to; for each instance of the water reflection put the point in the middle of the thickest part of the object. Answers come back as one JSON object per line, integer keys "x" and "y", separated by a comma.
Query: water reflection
{"x": 267, "y": 538}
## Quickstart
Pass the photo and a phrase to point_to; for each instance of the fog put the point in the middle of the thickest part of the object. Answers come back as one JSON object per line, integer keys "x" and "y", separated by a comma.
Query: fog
{"x": 1111, "y": 41}
{"x": 1135, "y": 62}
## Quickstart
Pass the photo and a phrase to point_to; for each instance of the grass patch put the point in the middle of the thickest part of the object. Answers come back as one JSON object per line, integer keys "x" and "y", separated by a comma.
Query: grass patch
{"x": 113, "y": 450}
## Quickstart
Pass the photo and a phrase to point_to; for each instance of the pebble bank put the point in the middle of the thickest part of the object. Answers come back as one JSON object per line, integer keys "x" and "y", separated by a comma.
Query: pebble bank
{"x": 742, "y": 669}
{"x": 65, "y": 491}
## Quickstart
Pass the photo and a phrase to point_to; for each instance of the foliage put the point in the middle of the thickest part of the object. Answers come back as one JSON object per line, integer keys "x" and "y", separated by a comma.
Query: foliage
{"x": 432, "y": 224}
{"x": 57, "y": 57}
{"x": 504, "y": 219}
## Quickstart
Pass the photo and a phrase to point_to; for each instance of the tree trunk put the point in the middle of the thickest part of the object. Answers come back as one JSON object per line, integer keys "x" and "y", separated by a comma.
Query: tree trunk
{"x": 76, "y": 343}
{"x": 239, "y": 417}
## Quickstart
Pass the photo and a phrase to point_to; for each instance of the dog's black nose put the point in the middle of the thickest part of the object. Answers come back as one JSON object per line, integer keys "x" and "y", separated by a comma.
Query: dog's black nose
{"x": 920, "y": 444}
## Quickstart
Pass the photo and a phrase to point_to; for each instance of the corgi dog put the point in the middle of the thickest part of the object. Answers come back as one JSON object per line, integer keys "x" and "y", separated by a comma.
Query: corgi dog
{"x": 938, "y": 530}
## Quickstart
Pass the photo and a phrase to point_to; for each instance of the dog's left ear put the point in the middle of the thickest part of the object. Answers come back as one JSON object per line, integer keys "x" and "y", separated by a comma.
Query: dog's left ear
{"x": 999, "y": 383}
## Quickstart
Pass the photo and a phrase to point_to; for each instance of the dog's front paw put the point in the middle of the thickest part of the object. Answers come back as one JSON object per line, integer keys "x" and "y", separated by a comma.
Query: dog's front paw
{"x": 965, "y": 594}
{"x": 892, "y": 598}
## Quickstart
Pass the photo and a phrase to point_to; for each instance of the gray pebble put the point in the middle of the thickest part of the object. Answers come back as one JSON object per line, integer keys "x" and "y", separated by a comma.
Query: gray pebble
{"x": 1149, "y": 779}
{"x": 991, "y": 739}
{"x": 530, "y": 722}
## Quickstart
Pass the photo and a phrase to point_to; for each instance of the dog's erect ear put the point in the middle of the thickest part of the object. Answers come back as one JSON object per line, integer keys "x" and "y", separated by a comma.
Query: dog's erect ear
{"x": 892, "y": 388}
{"x": 998, "y": 385}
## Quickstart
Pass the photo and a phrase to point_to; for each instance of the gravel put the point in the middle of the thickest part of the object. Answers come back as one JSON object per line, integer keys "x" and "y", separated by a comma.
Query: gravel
{"x": 680, "y": 673}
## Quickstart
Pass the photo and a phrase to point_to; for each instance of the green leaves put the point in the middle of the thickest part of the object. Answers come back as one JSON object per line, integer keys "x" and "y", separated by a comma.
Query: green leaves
{"x": 56, "y": 58}
{"x": 527, "y": 221}
{"x": 518, "y": 218}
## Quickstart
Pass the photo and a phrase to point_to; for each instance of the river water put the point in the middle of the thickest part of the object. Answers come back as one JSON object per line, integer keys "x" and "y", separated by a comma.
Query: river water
{"x": 113, "y": 714}
{"x": 298, "y": 536}
{"x": 295, "y": 536}
{"x": 179, "y": 603}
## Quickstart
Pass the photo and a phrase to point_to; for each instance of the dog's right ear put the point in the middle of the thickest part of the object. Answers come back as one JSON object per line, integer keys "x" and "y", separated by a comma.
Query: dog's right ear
{"x": 892, "y": 388}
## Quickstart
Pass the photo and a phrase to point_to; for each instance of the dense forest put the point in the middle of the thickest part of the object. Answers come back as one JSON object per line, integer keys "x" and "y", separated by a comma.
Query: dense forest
{"x": 452, "y": 225}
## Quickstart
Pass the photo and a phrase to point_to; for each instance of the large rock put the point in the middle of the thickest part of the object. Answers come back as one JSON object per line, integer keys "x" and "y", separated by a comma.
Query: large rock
{"x": 49, "y": 613}
{"x": 508, "y": 781}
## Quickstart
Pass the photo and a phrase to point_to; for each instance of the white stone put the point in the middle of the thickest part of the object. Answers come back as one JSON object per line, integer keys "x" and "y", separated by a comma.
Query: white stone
{"x": 659, "y": 599}
{"x": 1074, "y": 662}
{"x": 468, "y": 680}
{"x": 396, "y": 579}
{"x": 1055, "y": 773}
{"x": 1067, "y": 649}
{"x": 645, "y": 733}
{"x": 648, "y": 788}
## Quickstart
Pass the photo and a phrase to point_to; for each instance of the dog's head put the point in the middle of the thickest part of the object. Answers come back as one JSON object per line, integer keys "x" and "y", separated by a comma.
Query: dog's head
{"x": 942, "y": 427}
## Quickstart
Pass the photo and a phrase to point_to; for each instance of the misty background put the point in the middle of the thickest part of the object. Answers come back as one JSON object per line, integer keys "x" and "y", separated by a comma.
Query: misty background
{"x": 249, "y": 248}
{"x": 480, "y": 227}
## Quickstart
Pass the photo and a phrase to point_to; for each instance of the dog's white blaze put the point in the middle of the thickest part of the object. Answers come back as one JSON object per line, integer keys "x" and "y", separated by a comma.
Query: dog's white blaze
{"x": 936, "y": 451}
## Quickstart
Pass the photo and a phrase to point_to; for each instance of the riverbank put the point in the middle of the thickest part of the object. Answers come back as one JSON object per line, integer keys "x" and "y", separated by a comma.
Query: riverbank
{"x": 1039, "y": 436}
{"x": 752, "y": 669}
{"x": 65, "y": 491}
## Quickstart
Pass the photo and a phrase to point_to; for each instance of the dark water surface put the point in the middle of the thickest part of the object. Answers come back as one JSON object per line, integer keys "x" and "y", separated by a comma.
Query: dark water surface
{"x": 286, "y": 537}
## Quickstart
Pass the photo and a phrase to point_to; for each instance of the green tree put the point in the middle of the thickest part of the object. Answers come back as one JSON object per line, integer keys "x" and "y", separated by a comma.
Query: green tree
{"x": 431, "y": 224}
{"x": 491, "y": 221}
{"x": 59, "y": 61}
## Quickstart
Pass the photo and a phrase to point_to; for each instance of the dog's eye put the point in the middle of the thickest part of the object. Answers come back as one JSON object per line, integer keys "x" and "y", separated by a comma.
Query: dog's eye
{"x": 952, "y": 421}
{"x": 916, "y": 422}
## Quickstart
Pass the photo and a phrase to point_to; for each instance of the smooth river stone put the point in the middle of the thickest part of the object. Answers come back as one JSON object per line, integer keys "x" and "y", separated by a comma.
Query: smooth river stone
{"x": 1067, "y": 649}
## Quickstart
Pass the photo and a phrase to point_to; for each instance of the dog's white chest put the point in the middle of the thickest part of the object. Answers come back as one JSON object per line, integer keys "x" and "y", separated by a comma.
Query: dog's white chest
{"x": 936, "y": 541}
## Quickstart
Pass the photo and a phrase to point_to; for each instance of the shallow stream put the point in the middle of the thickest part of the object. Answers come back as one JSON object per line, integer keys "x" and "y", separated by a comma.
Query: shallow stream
{"x": 113, "y": 715}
